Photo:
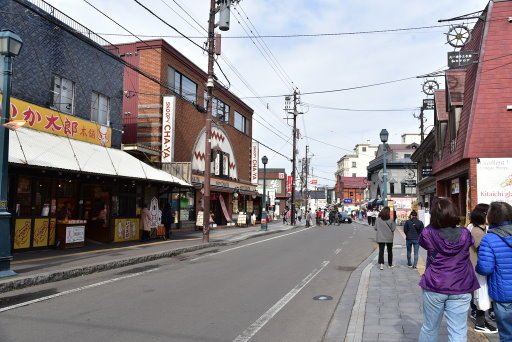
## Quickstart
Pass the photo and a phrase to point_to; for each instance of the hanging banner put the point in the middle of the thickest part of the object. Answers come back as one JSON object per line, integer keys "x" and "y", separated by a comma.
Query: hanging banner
{"x": 224, "y": 208}
{"x": 168, "y": 129}
{"x": 289, "y": 182}
{"x": 254, "y": 162}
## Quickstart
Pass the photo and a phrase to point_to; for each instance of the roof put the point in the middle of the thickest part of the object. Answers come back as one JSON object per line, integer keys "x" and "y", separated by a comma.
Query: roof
{"x": 440, "y": 102}
{"x": 30, "y": 147}
{"x": 354, "y": 182}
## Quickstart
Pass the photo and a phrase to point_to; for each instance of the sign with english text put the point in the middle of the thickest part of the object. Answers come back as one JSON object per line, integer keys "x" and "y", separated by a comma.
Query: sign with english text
{"x": 254, "y": 162}
{"x": 494, "y": 180}
{"x": 168, "y": 129}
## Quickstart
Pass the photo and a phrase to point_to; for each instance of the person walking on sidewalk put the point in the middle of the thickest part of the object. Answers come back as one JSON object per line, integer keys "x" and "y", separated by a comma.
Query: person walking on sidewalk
{"x": 145, "y": 218}
{"x": 495, "y": 261}
{"x": 412, "y": 230}
{"x": 285, "y": 215}
{"x": 449, "y": 277}
{"x": 385, "y": 228}
{"x": 309, "y": 217}
{"x": 478, "y": 307}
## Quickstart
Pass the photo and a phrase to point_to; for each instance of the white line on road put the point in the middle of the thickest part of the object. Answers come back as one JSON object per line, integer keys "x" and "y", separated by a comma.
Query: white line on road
{"x": 337, "y": 251}
{"x": 12, "y": 307}
{"x": 267, "y": 316}
{"x": 249, "y": 244}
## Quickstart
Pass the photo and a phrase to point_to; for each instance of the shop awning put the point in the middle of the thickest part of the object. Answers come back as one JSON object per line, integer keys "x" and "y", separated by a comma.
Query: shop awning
{"x": 35, "y": 148}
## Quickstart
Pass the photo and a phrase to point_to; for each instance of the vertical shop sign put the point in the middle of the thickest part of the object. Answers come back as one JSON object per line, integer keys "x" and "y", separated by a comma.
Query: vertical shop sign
{"x": 41, "y": 228}
{"x": 168, "y": 129}
{"x": 289, "y": 182}
{"x": 254, "y": 162}
{"x": 22, "y": 230}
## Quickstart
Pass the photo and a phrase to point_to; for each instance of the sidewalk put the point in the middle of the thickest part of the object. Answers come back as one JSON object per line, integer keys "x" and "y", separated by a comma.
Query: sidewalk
{"x": 386, "y": 305}
{"x": 44, "y": 266}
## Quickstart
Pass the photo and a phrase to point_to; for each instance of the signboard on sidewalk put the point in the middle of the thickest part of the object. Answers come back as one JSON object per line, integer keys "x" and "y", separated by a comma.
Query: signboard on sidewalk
{"x": 494, "y": 180}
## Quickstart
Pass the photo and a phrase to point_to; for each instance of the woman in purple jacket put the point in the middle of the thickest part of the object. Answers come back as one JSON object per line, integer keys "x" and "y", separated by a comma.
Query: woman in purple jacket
{"x": 449, "y": 277}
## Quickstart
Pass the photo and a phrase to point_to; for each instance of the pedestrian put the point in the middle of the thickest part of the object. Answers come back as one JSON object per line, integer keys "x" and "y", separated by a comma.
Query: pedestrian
{"x": 412, "y": 230}
{"x": 449, "y": 277}
{"x": 285, "y": 215}
{"x": 385, "y": 228}
{"x": 318, "y": 216}
{"x": 299, "y": 214}
{"x": 369, "y": 216}
{"x": 167, "y": 220}
{"x": 478, "y": 229}
{"x": 309, "y": 218}
{"x": 145, "y": 218}
{"x": 495, "y": 261}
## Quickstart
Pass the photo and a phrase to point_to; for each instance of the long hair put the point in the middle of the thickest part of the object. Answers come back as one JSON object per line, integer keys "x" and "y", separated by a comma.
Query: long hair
{"x": 444, "y": 213}
{"x": 384, "y": 214}
{"x": 478, "y": 214}
{"x": 499, "y": 212}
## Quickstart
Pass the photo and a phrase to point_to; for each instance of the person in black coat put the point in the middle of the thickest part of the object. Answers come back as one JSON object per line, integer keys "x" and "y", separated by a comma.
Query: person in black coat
{"x": 412, "y": 230}
{"x": 167, "y": 220}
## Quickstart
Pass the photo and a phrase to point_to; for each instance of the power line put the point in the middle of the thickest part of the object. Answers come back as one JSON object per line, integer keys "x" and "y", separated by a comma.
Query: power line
{"x": 361, "y": 110}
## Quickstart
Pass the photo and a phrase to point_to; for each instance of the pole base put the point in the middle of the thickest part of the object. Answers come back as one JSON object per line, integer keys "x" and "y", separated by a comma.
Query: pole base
{"x": 7, "y": 273}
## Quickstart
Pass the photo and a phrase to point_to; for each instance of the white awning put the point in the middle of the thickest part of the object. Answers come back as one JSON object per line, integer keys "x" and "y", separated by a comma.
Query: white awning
{"x": 35, "y": 148}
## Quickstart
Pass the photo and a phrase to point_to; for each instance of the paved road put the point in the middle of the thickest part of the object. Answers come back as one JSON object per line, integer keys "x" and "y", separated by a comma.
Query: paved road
{"x": 261, "y": 289}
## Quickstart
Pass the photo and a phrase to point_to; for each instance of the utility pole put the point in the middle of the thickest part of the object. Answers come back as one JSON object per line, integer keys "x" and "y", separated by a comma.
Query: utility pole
{"x": 306, "y": 180}
{"x": 422, "y": 130}
{"x": 295, "y": 100}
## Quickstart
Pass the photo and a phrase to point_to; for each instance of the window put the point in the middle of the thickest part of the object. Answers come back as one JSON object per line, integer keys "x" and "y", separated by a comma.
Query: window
{"x": 391, "y": 188}
{"x": 182, "y": 85}
{"x": 220, "y": 109}
{"x": 354, "y": 175}
{"x": 100, "y": 109}
{"x": 403, "y": 188}
{"x": 407, "y": 155}
{"x": 63, "y": 94}
{"x": 240, "y": 122}
{"x": 364, "y": 149}
{"x": 354, "y": 164}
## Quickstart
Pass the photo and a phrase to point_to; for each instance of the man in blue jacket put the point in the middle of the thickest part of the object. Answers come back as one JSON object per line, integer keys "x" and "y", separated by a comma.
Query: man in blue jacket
{"x": 412, "y": 230}
{"x": 495, "y": 261}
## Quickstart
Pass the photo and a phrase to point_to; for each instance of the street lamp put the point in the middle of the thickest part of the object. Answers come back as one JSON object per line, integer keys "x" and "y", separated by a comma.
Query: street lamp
{"x": 384, "y": 138}
{"x": 10, "y": 46}
{"x": 264, "y": 160}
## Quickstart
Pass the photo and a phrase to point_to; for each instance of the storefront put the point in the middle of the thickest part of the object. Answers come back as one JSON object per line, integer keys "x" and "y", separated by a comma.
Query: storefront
{"x": 96, "y": 189}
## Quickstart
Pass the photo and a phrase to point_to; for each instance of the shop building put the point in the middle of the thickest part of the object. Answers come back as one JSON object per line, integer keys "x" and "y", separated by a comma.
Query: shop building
{"x": 473, "y": 161}
{"x": 68, "y": 179}
{"x": 278, "y": 191}
{"x": 351, "y": 190}
{"x": 426, "y": 182}
{"x": 164, "y": 121}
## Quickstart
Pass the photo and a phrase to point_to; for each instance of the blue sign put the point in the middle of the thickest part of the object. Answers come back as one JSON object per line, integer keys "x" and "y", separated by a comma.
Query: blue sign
{"x": 347, "y": 200}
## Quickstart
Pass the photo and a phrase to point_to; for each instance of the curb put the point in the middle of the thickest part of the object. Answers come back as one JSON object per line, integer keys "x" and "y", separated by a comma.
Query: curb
{"x": 49, "y": 277}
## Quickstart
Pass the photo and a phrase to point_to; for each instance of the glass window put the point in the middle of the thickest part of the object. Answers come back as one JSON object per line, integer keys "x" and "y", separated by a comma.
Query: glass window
{"x": 44, "y": 204}
{"x": 23, "y": 197}
{"x": 100, "y": 108}
{"x": 63, "y": 94}
{"x": 240, "y": 122}
{"x": 354, "y": 164}
{"x": 220, "y": 109}
{"x": 391, "y": 188}
{"x": 184, "y": 86}
{"x": 364, "y": 149}
{"x": 354, "y": 175}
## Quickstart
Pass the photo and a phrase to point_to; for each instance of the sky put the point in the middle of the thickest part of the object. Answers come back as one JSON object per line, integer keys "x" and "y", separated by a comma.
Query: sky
{"x": 323, "y": 61}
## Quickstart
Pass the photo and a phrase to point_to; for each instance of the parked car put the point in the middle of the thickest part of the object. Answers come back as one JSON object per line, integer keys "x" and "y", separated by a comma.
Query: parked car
{"x": 343, "y": 217}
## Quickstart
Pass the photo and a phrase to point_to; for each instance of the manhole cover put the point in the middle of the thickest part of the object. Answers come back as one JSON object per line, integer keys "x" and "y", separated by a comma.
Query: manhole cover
{"x": 322, "y": 297}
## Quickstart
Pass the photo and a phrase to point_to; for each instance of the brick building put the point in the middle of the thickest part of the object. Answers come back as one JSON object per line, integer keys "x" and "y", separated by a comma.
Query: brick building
{"x": 351, "y": 190}
{"x": 277, "y": 188}
{"x": 472, "y": 161}
{"x": 164, "y": 121}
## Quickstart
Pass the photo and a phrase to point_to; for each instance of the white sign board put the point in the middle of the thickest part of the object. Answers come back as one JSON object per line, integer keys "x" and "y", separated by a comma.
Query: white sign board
{"x": 75, "y": 234}
{"x": 272, "y": 196}
{"x": 254, "y": 162}
{"x": 168, "y": 129}
{"x": 494, "y": 180}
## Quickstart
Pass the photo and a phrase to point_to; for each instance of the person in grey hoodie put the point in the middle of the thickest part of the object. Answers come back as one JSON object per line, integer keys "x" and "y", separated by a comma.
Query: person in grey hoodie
{"x": 385, "y": 228}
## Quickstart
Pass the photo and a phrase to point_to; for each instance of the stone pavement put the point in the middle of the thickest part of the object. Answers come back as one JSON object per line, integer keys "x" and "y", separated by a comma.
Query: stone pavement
{"x": 386, "y": 305}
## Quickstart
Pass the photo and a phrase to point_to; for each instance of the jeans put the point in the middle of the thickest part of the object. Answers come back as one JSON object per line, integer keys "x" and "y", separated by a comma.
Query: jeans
{"x": 390, "y": 252}
{"x": 409, "y": 244}
{"x": 503, "y": 313}
{"x": 455, "y": 307}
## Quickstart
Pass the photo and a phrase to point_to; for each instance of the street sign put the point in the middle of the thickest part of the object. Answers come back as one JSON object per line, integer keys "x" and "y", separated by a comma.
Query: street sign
{"x": 426, "y": 171}
{"x": 428, "y": 104}
{"x": 461, "y": 58}
{"x": 347, "y": 200}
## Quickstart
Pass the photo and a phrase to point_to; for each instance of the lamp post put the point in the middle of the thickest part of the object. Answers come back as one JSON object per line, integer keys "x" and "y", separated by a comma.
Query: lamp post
{"x": 264, "y": 160}
{"x": 10, "y": 46}
{"x": 384, "y": 138}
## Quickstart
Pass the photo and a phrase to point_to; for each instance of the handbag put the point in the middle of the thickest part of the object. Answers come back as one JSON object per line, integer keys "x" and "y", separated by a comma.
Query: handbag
{"x": 481, "y": 295}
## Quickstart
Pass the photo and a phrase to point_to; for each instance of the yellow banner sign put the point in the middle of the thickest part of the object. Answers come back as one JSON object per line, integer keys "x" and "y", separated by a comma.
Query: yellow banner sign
{"x": 126, "y": 229}
{"x": 22, "y": 230}
{"x": 52, "y": 121}
{"x": 41, "y": 228}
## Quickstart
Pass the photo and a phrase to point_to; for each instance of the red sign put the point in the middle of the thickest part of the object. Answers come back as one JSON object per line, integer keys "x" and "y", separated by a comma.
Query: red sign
{"x": 289, "y": 182}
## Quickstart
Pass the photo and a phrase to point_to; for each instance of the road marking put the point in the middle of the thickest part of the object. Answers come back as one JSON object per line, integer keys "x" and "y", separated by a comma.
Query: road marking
{"x": 249, "y": 244}
{"x": 12, "y": 307}
{"x": 337, "y": 251}
{"x": 267, "y": 316}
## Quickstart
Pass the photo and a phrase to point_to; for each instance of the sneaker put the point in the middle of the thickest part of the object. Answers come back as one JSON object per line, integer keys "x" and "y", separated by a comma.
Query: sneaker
{"x": 486, "y": 328}
{"x": 410, "y": 266}
{"x": 381, "y": 266}
{"x": 391, "y": 266}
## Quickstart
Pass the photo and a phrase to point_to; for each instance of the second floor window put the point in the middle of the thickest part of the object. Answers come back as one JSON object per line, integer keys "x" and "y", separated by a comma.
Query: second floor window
{"x": 100, "y": 108}
{"x": 63, "y": 94}
{"x": 182, "y": 85}
{"x": 354, "y": 164}
{"x": 240, "y": 122}
{"x": 220, "y": 109}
